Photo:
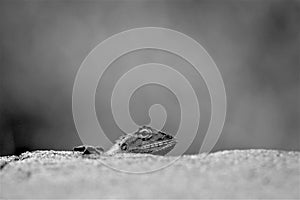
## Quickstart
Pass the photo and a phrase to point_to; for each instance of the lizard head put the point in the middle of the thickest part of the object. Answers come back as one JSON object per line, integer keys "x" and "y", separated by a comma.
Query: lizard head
{"x": 145, "y": 140}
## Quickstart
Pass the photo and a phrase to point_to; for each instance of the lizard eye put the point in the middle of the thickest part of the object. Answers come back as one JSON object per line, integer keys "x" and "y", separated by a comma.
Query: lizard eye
{"x": 124, "y": 147}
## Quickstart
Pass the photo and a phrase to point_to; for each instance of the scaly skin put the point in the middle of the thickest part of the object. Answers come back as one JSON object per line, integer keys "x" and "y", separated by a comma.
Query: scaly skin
{"x": 144, "y": 140}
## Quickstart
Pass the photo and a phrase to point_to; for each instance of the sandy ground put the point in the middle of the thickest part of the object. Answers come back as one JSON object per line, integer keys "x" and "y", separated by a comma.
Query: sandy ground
{"x": 226, "y": 174}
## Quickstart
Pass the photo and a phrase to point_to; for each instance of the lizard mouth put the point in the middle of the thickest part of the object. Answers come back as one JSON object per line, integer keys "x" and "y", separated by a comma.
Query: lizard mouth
{"x": 159, "y": 145}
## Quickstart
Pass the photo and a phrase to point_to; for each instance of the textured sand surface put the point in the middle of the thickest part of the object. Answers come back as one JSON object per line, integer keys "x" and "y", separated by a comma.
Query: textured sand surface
{"x": 227, "y": 174}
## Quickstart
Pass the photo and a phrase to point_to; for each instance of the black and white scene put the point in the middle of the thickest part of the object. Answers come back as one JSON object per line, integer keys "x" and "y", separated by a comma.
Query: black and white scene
{"x": 149, "y": 99}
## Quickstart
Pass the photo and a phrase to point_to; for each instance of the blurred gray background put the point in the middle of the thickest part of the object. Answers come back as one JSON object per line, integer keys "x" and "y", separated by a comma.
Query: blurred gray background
{"x": 255, "y": 44}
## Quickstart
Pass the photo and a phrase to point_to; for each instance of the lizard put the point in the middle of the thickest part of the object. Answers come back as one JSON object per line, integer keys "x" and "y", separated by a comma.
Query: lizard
{"x": 144, "y": 140}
